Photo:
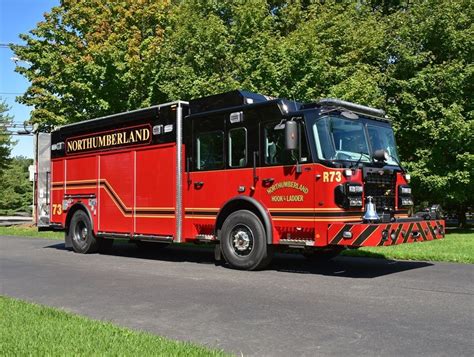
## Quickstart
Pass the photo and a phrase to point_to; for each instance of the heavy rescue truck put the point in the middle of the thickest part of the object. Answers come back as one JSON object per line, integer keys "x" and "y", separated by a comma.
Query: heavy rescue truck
{"x": 247, "y": 172}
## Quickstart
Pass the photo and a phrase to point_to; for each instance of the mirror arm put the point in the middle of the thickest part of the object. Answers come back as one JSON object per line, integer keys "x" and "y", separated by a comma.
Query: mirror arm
{"x": 298, "y": 162}
{"x": 188, "y": 169}
{"x": 255, "y": 177}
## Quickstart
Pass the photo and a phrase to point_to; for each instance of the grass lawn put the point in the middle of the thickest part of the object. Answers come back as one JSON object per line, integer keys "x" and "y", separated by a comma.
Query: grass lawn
{"x": 28, "y": 329}
{"x": 29, "y": 231}
{"x": 457, "y": 246}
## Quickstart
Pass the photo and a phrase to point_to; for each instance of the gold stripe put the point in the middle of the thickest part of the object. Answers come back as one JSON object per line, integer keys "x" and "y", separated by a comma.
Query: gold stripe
{"x": 148, "y": 216}
{"x": 79, "y": 188}
{"x": 306, "y": 209}
{"x": 329, "y": 219}
{"x": 293, "y": 219}
{"x": 201, "y": 209}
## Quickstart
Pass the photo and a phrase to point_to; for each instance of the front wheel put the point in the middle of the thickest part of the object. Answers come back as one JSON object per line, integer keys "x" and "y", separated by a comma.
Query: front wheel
{"x": 244, "y": 242}
{"x": 81, "y": 235}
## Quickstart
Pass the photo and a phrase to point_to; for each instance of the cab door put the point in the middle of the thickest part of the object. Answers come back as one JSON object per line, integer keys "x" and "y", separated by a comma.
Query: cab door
{"x": 207, "y": 176}
{"x": 286, "y": 184}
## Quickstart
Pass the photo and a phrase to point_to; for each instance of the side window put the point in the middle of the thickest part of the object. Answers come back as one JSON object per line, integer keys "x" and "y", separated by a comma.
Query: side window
{"x": 210, "y": 151}
{"x": 238, "y": 147}
{"x": 275, "y": 153}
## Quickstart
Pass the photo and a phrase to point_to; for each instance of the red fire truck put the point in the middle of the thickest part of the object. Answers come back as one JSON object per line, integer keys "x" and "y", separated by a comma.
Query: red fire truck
{"x": 246, "y": 172}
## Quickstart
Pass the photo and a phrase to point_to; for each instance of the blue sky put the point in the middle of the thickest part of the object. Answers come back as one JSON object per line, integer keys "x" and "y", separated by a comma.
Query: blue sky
{"x": 18, "y": 16}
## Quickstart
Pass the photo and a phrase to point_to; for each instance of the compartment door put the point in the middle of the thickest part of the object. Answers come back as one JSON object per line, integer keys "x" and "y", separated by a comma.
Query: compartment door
{"x": 208, "y": 175}
{"x": 116, "y": 196}
{"x": 155, "y": 202}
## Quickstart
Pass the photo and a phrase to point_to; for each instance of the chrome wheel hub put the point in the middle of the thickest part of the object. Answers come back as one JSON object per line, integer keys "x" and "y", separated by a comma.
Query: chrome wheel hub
{"x": 242, "y": 240}
{"x": 81, "y": 232}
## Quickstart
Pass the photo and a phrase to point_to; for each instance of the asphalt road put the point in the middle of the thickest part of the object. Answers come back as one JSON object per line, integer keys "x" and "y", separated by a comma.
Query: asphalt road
{"x": 351, "y": 307}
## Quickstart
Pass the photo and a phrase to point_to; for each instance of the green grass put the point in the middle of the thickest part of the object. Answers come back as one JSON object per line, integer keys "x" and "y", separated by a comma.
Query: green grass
{"x": 456, "y": 247}
{"x": 30, "y": 329}
{"x": 29, "y": 231}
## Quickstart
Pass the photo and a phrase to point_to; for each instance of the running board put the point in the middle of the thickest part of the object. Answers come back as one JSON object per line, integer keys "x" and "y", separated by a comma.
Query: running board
{"x": 206, "y": 238}
{"x": 143, "y": 237}
{"x": 151, "y": 238}
{"x": 297, "y": 243}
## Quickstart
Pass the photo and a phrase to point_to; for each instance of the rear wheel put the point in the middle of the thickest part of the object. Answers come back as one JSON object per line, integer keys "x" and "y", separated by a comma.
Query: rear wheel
{"x": 81, "y": 235}
{"x": 244, "y": 243}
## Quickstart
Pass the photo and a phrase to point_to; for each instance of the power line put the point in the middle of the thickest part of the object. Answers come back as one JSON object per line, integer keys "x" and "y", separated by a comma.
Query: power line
{"x": 10, "y": 93}
{"x": 7, "y": 45}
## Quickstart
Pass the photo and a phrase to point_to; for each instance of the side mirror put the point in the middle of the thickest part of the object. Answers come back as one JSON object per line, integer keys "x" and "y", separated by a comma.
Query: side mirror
{"x": 380, "y": 155}
{"x": 291, "y": 135}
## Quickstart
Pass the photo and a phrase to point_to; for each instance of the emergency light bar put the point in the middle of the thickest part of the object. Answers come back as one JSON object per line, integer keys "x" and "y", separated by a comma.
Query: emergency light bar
{"x": 362, "y": 109}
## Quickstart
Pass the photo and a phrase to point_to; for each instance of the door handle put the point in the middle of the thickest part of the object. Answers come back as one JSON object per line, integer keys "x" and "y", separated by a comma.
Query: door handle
{"x": 198, "y": 184}
{"x": 268, "y": 180}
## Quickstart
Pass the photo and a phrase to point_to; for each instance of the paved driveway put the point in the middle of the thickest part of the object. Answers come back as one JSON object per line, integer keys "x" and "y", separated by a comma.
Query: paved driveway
{"x": 348, "y": 307}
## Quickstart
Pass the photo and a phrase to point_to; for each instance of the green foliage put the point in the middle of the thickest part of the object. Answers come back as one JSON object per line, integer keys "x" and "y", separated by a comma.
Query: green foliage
{"x": 15, "y": 187}
{"x": 414, "y": 59}
{"x": 91, "y": 58}
{"x": 5, "y": 138}
{"x": 430, "y": 88}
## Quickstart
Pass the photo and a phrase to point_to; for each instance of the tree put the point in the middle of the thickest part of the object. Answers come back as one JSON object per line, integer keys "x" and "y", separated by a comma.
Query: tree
{"x": 90, "y": 58}
{"x": 5, "y": 137}
{"x": 430, "y": 96}
{"x": 15, "y": 187}
{"x": 95, "y": 57}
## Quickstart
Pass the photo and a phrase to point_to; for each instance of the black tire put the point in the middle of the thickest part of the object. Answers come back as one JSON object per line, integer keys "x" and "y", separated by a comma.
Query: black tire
{"x": 81, "y": 235}
{"x": 322, "y": 255}
{"x": 244, "y": 243}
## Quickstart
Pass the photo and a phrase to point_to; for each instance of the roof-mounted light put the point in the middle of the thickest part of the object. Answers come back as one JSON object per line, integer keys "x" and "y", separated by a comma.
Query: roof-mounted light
{"x": 353, "y": 107}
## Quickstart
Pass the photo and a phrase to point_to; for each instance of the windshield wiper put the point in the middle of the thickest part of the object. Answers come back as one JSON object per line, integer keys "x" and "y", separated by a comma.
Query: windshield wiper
{"x": 397, "y": 162}
{"x": 360, "y": 159}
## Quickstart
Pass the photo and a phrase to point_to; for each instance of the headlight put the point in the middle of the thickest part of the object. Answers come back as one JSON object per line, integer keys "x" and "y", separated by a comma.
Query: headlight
{"x": 404, "y": 196}
{"x": 355, "y": 189}
{"x": 407, "y": 201}
{"x": 405, "y": 190}
{"x": 355, "y": 202}
{"x": 349, "y": 195}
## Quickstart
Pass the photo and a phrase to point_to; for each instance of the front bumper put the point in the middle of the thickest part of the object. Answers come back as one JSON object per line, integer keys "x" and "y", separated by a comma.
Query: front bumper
{"x": 384, "y": 234}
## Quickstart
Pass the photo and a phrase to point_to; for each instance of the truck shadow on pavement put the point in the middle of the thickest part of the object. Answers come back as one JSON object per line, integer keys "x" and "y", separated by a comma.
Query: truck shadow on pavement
{"x": 347, "y": 267}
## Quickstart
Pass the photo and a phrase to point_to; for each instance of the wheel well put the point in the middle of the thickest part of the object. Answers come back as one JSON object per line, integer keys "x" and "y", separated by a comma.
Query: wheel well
{"x": 70, "y": 213}
{"x": 244, "y": 204}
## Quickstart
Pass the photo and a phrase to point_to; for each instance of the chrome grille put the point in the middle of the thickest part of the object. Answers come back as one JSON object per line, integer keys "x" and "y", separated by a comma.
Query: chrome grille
{"x": 382, "y": 188}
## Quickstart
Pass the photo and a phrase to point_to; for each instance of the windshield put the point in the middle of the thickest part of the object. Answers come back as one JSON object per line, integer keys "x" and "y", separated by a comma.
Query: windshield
{"x": 381, "y": 137}
{"x": 338, "y": 138}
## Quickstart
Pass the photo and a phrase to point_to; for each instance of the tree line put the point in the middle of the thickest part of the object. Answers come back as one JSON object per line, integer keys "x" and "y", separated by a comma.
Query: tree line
{"x": 16, "y": 190}
{"x": 414, "y": 59}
